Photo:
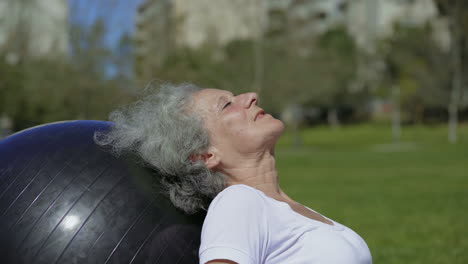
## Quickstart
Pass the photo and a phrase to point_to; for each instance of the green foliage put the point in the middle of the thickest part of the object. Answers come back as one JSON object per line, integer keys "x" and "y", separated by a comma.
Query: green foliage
{"x": 419, "y": 66}
{"x": 41, "y": 90}
{"x": 230, "y": 68}
{"x": 321, "y": 77}
{"x": 10, "y": 88}
{"x": 88, "y": 48}
{"x": 338, "y": 61}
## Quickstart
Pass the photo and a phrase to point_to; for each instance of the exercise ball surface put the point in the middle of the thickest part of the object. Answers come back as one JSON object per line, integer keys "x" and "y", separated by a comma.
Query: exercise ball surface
{"x": 63, "y": 199}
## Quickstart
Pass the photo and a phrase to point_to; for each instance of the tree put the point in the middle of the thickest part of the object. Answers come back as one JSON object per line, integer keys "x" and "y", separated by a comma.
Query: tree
{"x": 123, "y": 60}
{"x": 457, "y": 12}
{"x": 339, "y": 61}
{"x": 415, "y": 70}
{"x": 43, "y": 89}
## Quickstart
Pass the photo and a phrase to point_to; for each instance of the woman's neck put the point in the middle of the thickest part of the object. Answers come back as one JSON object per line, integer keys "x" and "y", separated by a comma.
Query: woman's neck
{"x": 259, "y": 173}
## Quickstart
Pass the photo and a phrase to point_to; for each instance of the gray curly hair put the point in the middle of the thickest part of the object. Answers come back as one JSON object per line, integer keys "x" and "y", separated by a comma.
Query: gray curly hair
{"x": 161, "y": 130}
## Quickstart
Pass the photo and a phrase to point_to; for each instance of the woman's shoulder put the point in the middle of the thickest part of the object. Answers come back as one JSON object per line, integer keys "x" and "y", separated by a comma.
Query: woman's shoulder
{"x": 238, "y": 197}
{"x": 235, "y": 226}
{"x": 240, "y": 191}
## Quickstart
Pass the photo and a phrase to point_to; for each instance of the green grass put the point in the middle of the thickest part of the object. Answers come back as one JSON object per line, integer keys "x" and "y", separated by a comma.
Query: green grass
{"x": 409, "y": 201}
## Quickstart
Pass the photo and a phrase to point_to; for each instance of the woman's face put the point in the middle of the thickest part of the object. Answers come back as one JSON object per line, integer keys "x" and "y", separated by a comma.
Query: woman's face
{"x": 235, "y": 123}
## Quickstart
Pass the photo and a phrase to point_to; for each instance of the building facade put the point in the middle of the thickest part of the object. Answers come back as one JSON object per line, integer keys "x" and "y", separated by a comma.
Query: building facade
{"x": 368, "y": 20}
{"x": 165, "y": 24}
{"x": 33, "y": 28}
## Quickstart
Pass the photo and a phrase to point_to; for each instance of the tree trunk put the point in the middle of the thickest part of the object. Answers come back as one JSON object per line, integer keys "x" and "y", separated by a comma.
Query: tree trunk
{"x": 419, "y": 113}
{"x": 396, "y": 114}
{"x": 297, "y": 140}
{"x": 258, "y": 54}
{"x": 292, "y": 116}
{"x": 332, "y": 117}
{"x": 457, "y": 77}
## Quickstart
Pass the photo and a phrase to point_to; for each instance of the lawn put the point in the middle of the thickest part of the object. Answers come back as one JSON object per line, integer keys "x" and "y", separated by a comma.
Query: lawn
{"x": 409, "y": 201}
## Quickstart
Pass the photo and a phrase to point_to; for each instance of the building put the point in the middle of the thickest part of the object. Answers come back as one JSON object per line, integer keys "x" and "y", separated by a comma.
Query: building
{"x": 368, "y": 20}
{"x": 220, "y": 22}
{"x": 33, "y": 28}
{"x": 365, "y": 20}
{"x": 300, "y": 21}
{"x": 165, "y": 24}
{"x": 195, "y": 22}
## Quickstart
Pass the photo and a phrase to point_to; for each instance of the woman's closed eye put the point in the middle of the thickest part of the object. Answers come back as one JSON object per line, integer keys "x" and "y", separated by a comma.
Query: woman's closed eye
{"x": 226, "y": 105}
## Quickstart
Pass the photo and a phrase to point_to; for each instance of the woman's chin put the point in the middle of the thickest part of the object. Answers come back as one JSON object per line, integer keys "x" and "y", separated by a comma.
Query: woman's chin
{"x": 280, "y": 127}
{"x": 276, "y": 131}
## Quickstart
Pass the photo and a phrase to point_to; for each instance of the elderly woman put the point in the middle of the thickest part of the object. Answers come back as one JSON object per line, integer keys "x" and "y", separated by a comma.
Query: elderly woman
{"x": 217, "y": 149}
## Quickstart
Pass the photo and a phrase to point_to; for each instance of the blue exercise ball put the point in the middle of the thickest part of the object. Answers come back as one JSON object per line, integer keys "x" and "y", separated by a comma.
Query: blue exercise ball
{"x": 63, "y": 199}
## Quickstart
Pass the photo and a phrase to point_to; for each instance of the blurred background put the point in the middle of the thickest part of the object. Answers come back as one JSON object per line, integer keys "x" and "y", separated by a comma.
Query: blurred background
{"x": 374, "y": 94}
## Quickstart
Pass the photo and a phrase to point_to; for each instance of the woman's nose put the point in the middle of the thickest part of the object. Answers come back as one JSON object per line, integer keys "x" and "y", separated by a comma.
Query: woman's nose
{"x": 250, "y": 99}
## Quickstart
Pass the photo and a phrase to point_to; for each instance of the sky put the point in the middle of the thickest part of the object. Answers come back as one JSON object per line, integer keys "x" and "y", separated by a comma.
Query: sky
{"x": 119, "y": 15}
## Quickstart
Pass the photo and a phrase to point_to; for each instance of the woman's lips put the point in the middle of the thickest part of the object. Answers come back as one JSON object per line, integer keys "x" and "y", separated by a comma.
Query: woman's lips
{"x": 260, "y": 114}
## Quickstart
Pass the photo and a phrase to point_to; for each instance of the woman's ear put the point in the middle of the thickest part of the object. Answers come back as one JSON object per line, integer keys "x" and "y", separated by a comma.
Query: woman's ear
{"x": 210, "y": 158}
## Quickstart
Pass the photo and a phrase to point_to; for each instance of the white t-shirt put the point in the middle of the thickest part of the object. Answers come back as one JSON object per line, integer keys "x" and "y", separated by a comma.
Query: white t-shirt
{"x": 246, "y": 226}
